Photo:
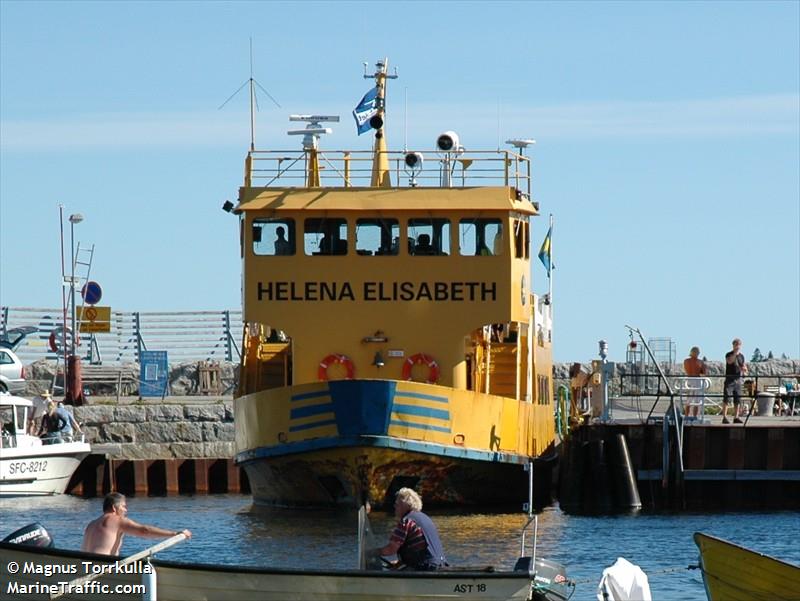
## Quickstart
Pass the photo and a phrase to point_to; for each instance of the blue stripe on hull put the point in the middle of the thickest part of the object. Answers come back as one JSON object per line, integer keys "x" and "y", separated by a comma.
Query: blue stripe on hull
{"x": 423, "y": 411}
{"x": 419, "y": 395}
{"x": 311, "y": 410}
{"x": 311, "y": 395}
{"x": 311, "y": 425}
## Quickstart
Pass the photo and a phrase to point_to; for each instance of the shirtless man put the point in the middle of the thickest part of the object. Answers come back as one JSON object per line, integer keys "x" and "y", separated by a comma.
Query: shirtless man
{"x": 104, "y": 535}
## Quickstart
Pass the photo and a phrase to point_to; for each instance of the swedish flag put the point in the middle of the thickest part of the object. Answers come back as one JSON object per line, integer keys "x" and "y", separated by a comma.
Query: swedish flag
{"x": 544, "y": 251}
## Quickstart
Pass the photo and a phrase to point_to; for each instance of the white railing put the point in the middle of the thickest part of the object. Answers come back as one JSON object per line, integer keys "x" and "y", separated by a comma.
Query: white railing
{"x": 185, "y": 335}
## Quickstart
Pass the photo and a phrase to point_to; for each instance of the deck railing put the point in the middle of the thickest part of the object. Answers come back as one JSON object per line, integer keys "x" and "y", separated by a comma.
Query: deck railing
{"x": 185, "y": 335}
{"x": 340, "y": 168}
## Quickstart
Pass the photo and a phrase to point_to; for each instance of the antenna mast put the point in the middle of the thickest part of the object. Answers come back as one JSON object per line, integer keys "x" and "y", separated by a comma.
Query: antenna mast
{"x": 253, "y": 108}
{"x": 252, "y": 102}
{"x": 380, "y": 160}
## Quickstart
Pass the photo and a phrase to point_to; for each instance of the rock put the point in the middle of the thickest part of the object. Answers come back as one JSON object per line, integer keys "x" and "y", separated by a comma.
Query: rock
{"x": 187, "y": 450}
{"x": 164, "y": 413}
{"x": 143, "y": 451}
{"x": 95, "y": 414}
{"x": 130, "y": 413}
{"x": 204, "y": 412}
{"x": 215, "y": 432}
{"x": 92, "y": 433}
{"x": 222, "y": 450}
{"x": 188, "y": 432}
{"x": 117, "y": 432}
{"x": 160, "y": 432}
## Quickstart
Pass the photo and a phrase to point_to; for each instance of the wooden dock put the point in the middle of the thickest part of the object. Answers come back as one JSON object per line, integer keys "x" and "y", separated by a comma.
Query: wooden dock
{"x": 723, "y": 467}
{"x": 99, "y": 475}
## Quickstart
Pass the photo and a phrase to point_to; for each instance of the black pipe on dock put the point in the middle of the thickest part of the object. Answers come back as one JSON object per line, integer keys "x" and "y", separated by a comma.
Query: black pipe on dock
{"x": 597, "y": 490}
{"x": 626, "y": 493}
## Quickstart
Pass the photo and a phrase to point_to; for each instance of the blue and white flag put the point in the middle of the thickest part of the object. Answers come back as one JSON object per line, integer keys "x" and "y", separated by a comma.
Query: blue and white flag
{"x": 545, "y": 253}
{"x": 365, "y": 110}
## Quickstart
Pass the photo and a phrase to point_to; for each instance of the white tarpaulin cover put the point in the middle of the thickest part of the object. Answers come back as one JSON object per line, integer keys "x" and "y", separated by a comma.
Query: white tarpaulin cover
{"x": 624, "y": 581}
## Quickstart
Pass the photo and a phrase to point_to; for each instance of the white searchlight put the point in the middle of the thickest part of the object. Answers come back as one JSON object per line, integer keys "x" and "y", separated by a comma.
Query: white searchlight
{"x": 448, "y": 142}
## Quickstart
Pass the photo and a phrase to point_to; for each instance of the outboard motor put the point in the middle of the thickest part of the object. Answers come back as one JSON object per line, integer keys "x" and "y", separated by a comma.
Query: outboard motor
{"x": 32, "y": 535}
{"x": 549, "y": 578}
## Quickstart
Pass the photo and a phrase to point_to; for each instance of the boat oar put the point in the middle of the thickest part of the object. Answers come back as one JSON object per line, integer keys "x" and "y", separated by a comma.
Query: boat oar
{"x": 81, "y": 580}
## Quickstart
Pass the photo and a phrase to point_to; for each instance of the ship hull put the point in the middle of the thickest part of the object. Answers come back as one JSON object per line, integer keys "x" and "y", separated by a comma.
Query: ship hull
{"x": 344, "y": 443}
{"x": 350, "y": 475}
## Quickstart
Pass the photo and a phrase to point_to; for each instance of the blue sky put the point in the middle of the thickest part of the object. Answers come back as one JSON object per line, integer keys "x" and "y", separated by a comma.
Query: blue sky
{"x": 668, "y": 145}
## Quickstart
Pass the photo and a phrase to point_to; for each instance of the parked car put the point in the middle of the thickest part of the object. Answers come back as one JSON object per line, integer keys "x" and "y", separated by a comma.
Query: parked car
{"x": 12, "y": 338}
{"x": 12, "y": 372}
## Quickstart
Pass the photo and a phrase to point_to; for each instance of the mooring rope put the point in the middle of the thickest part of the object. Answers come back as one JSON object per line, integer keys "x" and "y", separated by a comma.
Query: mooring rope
{"x": 649, "y": 573}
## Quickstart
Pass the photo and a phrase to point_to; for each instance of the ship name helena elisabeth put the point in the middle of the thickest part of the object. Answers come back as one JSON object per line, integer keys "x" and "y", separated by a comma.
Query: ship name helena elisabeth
{"x": 378, "y": 291}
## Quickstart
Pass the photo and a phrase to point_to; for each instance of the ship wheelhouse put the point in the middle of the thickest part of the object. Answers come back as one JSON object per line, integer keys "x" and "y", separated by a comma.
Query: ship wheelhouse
{"x": 443, "y": 272}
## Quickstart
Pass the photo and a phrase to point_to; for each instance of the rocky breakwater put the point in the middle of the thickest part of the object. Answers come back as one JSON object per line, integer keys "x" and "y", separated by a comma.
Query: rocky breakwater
{"x": 189, "y": 429}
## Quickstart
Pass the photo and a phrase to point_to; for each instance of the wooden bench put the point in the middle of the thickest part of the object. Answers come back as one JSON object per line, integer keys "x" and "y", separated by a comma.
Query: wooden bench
{"x": 124, "y": 379}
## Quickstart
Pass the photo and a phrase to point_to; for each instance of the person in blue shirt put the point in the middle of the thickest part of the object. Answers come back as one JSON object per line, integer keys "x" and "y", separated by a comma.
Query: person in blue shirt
{"x": 415, "y": 539}
{"x": 71, "y": 426}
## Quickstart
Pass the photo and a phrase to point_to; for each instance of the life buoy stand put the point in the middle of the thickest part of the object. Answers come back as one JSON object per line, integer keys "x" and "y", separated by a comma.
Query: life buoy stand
{"x": 54, "y": 342}
{"x": 422, "y": 359}
{"x": 335, "y": 358}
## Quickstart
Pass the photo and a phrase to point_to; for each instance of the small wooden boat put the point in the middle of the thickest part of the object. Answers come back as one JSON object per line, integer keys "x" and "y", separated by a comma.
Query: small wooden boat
{"x": 27, "y": 466}
{"x": 735, "y": 573}
{"x": 39, "y": 572}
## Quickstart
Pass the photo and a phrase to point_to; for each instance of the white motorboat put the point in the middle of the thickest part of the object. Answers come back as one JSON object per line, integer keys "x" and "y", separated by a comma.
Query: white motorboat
{"x": 28, "y": 466}
{"x": 32, "y": 567}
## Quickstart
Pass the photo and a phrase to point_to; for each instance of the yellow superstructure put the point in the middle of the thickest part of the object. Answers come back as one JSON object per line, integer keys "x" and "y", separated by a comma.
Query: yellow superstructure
{"x": 391, "y": 335}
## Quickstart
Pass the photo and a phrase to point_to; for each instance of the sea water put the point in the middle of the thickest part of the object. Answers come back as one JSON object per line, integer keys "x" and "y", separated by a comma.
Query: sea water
{"x": 228, "y": 529}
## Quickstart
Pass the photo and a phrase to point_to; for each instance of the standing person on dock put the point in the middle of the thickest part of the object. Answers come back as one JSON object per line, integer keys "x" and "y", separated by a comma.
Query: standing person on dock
{"x": 52, "y": 424}
{"x": 694, "y": 368}
{"x": 735, "y": 368}
{"x": 415, "y": 539}
{"x": 71, "y": 425}
{"x": 104, "y": 535}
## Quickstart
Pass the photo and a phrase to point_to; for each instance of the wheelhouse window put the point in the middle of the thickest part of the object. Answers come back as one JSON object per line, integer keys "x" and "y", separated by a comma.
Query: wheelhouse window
{"x": 377, "y": 237}
{"x": 480, "y": 237}
{"x": 428, "y": 237}
{"x": 522, "y": 239}
{"x": 326, "y": 236}
{"x": 273, "y": 236}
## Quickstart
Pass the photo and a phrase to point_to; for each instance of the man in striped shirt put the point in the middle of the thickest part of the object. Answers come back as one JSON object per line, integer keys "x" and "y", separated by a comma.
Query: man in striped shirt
{"x": 415, "y": 539}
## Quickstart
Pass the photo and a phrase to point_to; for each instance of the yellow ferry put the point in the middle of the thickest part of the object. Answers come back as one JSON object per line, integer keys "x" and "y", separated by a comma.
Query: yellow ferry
{"x": 391, "y": 335}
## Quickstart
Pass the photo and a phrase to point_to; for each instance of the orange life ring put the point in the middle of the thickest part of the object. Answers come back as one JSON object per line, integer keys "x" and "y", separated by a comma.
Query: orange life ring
{"x": 422, "y": 359}
{"x": 322, "y": 372}
{"x": 55, "y": 338}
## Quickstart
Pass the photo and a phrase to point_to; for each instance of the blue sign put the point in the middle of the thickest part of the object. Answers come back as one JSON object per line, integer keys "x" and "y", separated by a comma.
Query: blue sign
{"x": 154, "y": 374}
{"x": 91, "y": 293}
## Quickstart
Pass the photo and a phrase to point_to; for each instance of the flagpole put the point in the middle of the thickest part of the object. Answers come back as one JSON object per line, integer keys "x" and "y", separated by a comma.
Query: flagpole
{"x": 550, "y": 266}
